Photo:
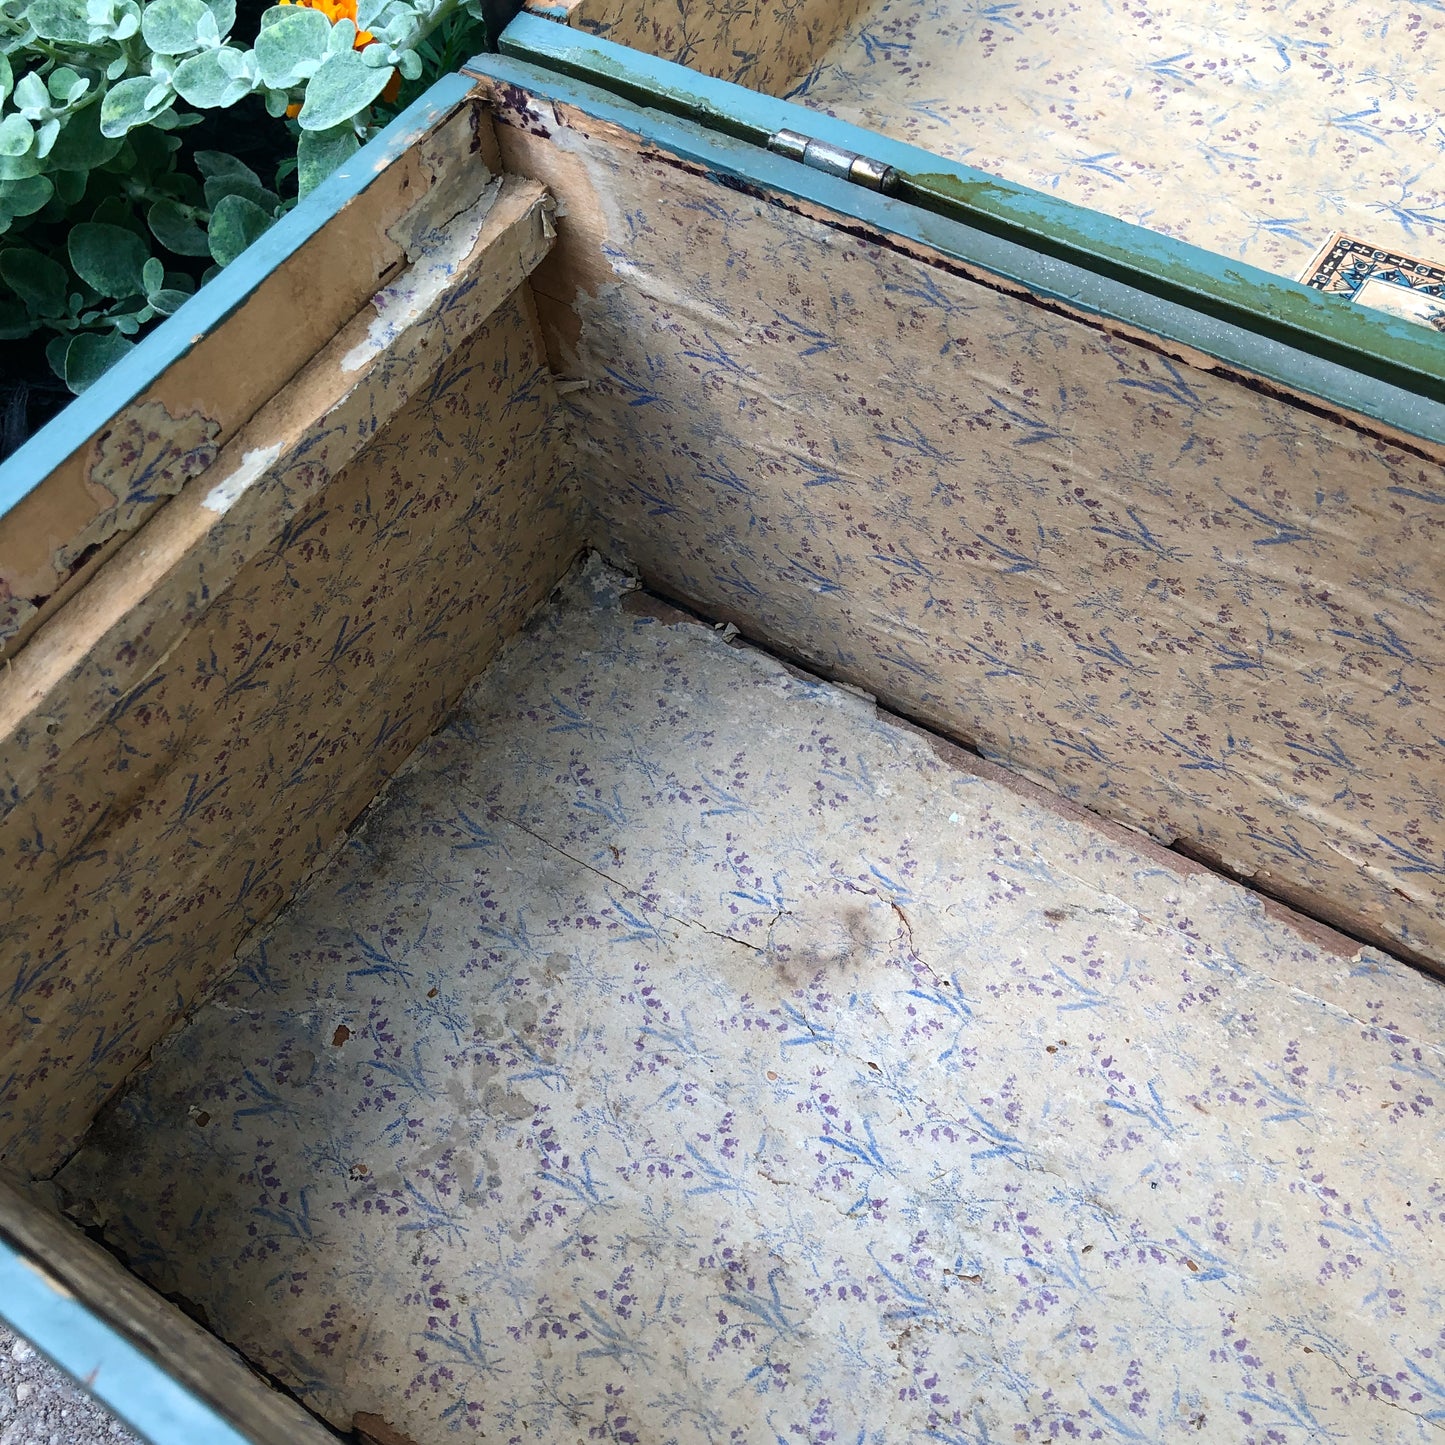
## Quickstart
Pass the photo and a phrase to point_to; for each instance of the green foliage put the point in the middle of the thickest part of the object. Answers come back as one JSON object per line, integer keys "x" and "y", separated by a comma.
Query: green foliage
{"x": 342, "y": 80}
{"x": 107, "y": 215}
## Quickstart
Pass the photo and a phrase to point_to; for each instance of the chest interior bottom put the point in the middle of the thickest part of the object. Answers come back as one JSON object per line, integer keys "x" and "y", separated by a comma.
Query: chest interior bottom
{"x": 683, "y": 1049}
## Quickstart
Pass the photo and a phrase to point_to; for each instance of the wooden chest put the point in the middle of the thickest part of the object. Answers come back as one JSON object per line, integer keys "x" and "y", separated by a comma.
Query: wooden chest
{"x": 923, "y": 927}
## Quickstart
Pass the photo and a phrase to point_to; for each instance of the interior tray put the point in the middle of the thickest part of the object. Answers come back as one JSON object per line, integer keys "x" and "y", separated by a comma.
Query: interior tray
{"x": 683, "y": 1050}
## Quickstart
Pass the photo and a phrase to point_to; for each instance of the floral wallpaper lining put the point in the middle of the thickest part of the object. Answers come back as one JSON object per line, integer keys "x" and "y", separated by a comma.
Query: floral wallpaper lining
{"x": 137, "y": 857}
{"x": 1170, "y": 597}
{"x": 683, "y": 1052}
{"x": 764, "y": 44}
{"x": 1251, "y": 129}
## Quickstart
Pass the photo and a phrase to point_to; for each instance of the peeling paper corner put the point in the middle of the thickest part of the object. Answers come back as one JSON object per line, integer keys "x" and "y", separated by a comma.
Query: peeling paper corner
{"x": 223, "y": 496}
{"x": 441, "y": 254}
{"x": 457, "y": 177}
{"x": 144, "y": 456}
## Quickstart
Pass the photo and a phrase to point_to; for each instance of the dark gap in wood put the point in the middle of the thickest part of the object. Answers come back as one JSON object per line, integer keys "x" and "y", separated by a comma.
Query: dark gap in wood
{"x": 197, "y": 1314}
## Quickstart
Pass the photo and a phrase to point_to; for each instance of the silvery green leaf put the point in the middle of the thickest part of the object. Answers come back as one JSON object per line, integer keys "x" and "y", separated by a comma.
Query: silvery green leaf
{"x": 159, "y": 94}
{"x": 7, "y": 76}
{"x": 409, "y": 63}
{"x": 16, "y": 136}
{"x": 126, "y": 105}
{"x": 55, "y": 350}
{"x": 117, "y": 68}
{"x": 320, "y": 152}
{"x": 238, "y": 64}
{"x": 207, "y": 31}
{"x": 69, "y": 186}
{"x": 168, "y": 300}
{"x": 66, "y": 85}
{"x": 152, "y": 275}
{"x": 276, "y": 102}
{"x": 377, "y": 55}
{"x": 397, "y": 30}
{"x": 227, "y": 176}
{"x": 109, "y": 259}
{"x": 235, "y": 224}
{"x": 202, "y": 81}
{"x": 16, "y": 169}
{"x": 128, "y": 24}
{"x": 170, "y": 27}
{"x": 343, "y": 87}
{"x": 174, "y": 226}
{"x": 63, "y": 21}
{"x": 37, "y": 280}
{"x": 225, "y": 13}
{"x": 342, "y": 37}
{"x": 31, "y": 94}
{"x": 292, "y": 48}
{"x": 25, "y": 197}
{"x": 46, "y": 136}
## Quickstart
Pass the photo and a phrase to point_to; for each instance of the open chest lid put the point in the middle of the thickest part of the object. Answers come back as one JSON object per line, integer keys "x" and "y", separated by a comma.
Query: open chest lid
{"x": 1315, "y": 343}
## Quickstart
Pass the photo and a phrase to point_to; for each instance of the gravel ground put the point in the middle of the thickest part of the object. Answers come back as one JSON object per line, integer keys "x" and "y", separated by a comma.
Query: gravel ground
{"x": 40, "y": 1406}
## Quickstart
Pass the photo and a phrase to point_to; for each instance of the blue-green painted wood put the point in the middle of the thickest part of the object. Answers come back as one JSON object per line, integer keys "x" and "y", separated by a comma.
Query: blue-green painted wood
{"x": 97, "y": 1356}
{"x": 28, "y": 466}
{"x": 1213, "y": 287}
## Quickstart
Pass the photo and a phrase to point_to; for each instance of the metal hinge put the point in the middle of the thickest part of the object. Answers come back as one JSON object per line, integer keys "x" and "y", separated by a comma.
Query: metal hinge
{"x": 822, "y": 155}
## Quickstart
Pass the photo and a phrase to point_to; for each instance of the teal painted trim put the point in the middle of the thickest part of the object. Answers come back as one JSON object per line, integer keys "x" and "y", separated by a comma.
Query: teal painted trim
{"x": 28, "y": 466}
{"x": 1394, "y": 350}
{"x": 744, "y": 166}
{"x": 104, "y": 1362}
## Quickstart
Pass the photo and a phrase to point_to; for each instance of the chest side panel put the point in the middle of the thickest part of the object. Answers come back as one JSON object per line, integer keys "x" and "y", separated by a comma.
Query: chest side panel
{"x": 184, "y": 740}
{"x": 1191, "y": 605}
{"x": 76, "y": 491}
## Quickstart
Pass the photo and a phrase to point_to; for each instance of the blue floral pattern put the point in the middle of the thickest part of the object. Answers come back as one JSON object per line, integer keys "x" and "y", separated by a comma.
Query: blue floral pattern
{"x": 1252, "y": 129}
{"x": 273, "y": 667}
{"x": 1176, "y": 599}
{"x": 684, "y": 1052}
{"x": 766, "y": 47}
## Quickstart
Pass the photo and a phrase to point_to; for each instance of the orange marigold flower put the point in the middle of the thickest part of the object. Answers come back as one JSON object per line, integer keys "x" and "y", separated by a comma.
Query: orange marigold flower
{"x": 335, "y": 10}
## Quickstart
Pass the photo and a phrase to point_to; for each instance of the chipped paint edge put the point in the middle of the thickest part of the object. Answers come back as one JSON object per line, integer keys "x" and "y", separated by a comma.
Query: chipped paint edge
{"x": 67, "y": 433}
{"x": 101, "y": 1360}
